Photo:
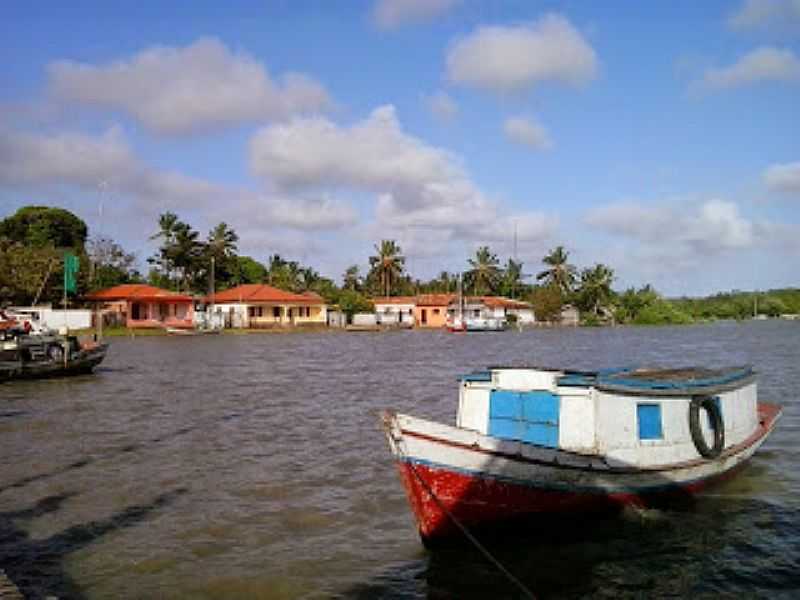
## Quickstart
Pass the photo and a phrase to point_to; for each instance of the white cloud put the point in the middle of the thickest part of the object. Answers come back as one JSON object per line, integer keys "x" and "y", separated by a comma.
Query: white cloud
{"x": 763, "y": 64}
{"x": 441, "y": 106}
{"x": 303, "y": 213}
{"x": 783, "y": 178}
{"x": 194, "y": 88}
{"x": 83, "y": 162}
{"x": 389, "y": 14}
{"x": 527, "y": 132}
{"x": 67, "y": 157}
{"x": 416, "y": 185}
{"x": 512, "y": 58}
{"x": 763, "y": 14}
{"x": 715, "y": 226}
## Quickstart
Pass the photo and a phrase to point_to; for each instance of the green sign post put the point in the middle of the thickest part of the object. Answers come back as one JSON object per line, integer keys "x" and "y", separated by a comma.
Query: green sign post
{"x": 71, "y": 266}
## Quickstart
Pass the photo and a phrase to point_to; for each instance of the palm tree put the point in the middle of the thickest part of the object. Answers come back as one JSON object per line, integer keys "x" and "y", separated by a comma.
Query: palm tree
{"x": 595, "y": 290}
{"x": 221, "y": 242}
{"x": 512, "y": 278}
{"x": 168, "y": 225}
{"x": 484, "y": 275}
{"x": 185, "y": 252}
{"x": 351, "y": 279}
{"x": 387, "y": 264}
{"x": 560, "y": 273}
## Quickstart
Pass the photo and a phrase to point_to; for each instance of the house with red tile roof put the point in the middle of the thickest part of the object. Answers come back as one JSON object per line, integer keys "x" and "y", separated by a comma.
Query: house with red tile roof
{"x": 138, "y": 305}
{"x": 257, "y": 305}
{"x": 499, "y": 307}
{"x": 394, "y": 310}
{"x": 430, "y": 310}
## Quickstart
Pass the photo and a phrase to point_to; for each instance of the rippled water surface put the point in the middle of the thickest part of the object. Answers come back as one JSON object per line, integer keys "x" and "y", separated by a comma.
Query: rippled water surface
{"x": 253, "y": 466}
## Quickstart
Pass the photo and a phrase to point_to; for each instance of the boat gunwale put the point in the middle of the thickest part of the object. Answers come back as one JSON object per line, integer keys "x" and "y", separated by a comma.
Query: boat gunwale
{"x": 769, "y": 414}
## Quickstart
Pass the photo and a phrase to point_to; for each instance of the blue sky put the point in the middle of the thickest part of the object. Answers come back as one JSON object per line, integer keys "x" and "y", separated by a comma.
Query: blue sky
{"x": 659, "y": 138}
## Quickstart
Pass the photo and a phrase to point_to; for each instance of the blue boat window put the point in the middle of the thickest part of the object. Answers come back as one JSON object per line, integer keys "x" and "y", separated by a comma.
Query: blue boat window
{"x": 649, "y": 417}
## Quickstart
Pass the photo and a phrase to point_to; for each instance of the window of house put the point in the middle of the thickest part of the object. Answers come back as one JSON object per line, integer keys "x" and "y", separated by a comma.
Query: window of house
{"x": 276, "y": 311}
{"x": 436, "y": 311}
{"x": 649, "y": 419}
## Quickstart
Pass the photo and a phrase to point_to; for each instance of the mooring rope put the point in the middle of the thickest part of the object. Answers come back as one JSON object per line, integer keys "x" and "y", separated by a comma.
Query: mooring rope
{"x": 488, "y": 555}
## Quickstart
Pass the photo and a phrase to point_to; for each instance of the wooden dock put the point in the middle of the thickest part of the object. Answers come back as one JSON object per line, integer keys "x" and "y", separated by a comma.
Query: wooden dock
{"x": 9, "y": 591}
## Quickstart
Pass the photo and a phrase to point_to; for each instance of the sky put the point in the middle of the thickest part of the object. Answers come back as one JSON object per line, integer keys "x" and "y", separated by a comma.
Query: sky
{"x": 662, "y": 139}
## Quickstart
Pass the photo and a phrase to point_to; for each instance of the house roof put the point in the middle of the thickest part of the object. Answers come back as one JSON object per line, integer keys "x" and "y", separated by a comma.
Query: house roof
{"x": 259, "y": 292}
{"x": 137, "y": 291}
{"x": 435, "y": 299}
{"x": 394, "y": 300}
{"x": 502, "y": 302}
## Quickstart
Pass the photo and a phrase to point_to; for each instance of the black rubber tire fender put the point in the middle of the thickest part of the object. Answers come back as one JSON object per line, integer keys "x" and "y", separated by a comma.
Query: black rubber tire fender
{"x": 706, "y": 402}
{"x": 55, "y": 352}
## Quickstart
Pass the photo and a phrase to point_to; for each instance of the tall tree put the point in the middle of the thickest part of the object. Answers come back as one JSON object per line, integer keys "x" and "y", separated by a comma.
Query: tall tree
{"x": 484, "y": 274}
{"x": 41, "y": 226}
{"x": 559, "y": 272}
{"x": 351, "y": 280}
{"x": 110, "y": 264}
{"x": 387, "y": 265}
{"x": 595, "y": 288}
{"x": 221, "y": 247}
{"x": 511, "y": 283}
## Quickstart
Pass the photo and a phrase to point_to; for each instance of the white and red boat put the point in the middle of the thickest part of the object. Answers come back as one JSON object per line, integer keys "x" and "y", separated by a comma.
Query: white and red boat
{"x": 533, "y": 441}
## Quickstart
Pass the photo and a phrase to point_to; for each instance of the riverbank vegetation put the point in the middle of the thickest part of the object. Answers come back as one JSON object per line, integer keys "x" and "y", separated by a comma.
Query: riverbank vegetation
{"x": 33, "y": 241}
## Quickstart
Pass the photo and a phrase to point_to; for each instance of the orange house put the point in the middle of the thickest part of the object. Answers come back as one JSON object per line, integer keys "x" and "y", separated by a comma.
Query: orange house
{"x": 431, "y": 310}
{"x": 145, "y": 306}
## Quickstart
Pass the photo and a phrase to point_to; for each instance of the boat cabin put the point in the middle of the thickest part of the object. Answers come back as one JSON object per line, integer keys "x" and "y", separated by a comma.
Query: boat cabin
{"x": 630, "y": 417}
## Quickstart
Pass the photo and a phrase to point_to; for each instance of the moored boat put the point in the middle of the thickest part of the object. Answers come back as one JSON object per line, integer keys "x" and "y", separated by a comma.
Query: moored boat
{"x": 531, "y": 441}
{"x": 40, "y": 356}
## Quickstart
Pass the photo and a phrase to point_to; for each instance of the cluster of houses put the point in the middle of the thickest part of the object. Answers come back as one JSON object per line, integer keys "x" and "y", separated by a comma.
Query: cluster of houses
{"x": 262, "y": 306}
{"x": 255, "y": 306}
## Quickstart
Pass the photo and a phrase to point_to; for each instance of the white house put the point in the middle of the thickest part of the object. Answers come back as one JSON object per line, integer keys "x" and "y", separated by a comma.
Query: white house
{"x": 395, "y": 310}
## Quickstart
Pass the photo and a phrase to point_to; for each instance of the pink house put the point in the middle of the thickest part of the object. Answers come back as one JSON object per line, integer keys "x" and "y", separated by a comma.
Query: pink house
{"x": 143, "y": 306}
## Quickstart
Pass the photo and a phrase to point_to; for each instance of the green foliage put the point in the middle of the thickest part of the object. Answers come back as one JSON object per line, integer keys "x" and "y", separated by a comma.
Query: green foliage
{"x": 559, "y": 271}
{"x": 547, "y": 302}
{"x": 594, "y": 293}
{"x": 32, "y": 244}
{"x": 742, "y": 305}
{"x": 24, "y": 271}
{"x": 511, "y": 285}
{"x": 484, "y": 275}
{"x": 42, "y": 226}
{"x": 247, "y": 270}
{"x": 661, "y": 312}
{"x": 386, "y": 267}
{"x": 110, "y": 264}
{"x": 352, "y": 302}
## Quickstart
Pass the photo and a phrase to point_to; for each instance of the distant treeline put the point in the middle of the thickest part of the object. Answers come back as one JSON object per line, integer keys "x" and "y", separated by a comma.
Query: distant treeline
{"x": 741, "y": 305}
{"x": 33, "y": 241}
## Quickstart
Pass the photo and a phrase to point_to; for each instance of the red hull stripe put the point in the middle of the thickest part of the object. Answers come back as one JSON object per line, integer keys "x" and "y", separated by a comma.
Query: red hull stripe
{"x": 476, "y": 501}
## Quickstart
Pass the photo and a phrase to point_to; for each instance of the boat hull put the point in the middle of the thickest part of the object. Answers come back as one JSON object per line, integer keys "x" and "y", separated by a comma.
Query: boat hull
{"x": 82, "y": 363}
{"x": 448, "y": 472}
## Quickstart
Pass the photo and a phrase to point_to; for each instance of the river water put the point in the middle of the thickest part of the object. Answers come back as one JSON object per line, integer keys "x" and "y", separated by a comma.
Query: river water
{"x": 253, "y": 466}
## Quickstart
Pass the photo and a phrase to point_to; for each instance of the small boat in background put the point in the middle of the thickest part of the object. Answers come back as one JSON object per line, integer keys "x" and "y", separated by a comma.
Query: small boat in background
{"x": 39, "y": 356}
{"x": 533, "y": 441}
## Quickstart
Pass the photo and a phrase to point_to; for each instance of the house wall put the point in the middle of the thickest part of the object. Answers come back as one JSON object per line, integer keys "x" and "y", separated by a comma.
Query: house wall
{"x": 269, "y": 314}
{"x": 429, "y": 317}
{"x": 148, "y": 314}
{"x": 394, "y": 314}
